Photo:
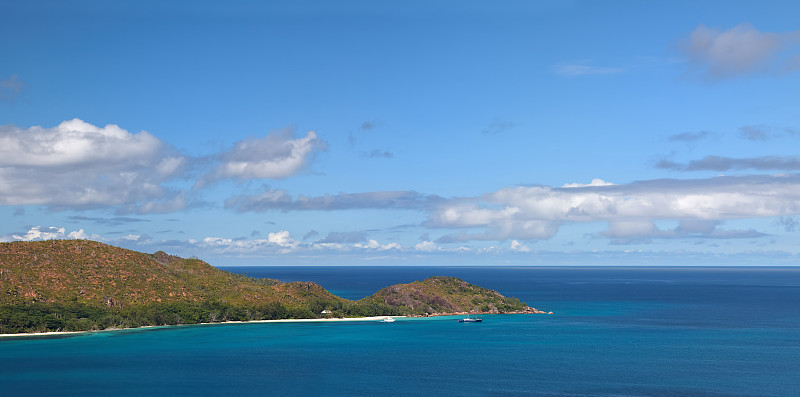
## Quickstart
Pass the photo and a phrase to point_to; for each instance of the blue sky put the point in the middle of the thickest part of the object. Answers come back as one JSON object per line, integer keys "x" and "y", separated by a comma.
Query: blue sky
{"x": 406, "y": 133}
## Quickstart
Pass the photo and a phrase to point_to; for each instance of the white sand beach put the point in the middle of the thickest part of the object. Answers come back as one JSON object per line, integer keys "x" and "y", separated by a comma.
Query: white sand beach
{"x": 287, "y": 320}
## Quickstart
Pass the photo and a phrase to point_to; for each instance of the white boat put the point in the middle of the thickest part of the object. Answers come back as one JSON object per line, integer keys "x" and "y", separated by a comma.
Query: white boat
{"x": 388, "y": 320}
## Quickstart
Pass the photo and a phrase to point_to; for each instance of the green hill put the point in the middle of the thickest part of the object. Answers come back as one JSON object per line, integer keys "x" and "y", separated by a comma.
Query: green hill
{"x": 446, "y": 295}
{"x": 95, "y": 273}
{"x": 83, "y": 285}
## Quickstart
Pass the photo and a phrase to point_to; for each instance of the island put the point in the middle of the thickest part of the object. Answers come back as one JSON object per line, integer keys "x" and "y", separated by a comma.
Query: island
{"x": 84, "y": 285}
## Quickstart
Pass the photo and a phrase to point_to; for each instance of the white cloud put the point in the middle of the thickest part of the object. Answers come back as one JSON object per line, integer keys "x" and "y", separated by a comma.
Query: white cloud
{"x": 372, "y": 244}
{"x": 375, "y": 245}
{"x": 280, "y": 242}
{"x": 329, "y": 247}
{"x": 489, "y": 250}
{"x": 74, "y": 143}
{"x": 526, "y": 213}
{"x": 391, "y": 246}
{"x": 276, "y": 156}
{"x": 49, "y": 233}
{"x": 282, "y": 239}
{"x": 170, "y": 165}
{"x": 519, "y": 247}
{"x": 79, "y": 235}
{"x": 537, "y": 212}
{"x": 426, "y": 246}
{"x": 79, "y": 165}
{"x": 36, "y": 233}
{"x": 741, "y": 50}
{"x": 594, "y": 182}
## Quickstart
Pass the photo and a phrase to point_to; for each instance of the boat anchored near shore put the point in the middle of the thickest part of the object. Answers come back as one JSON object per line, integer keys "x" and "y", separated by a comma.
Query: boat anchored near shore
{"x": 469, "y": 319}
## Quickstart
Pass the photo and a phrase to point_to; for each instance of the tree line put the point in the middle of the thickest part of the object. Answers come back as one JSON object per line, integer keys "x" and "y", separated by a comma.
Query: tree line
{"x": 74, "y": 316}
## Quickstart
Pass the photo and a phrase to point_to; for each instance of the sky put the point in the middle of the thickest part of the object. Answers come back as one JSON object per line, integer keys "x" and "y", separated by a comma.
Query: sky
{"x": 507, "y": 133}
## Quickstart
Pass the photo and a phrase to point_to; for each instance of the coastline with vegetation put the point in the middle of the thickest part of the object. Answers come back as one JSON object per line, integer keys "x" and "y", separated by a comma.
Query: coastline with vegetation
{"x": 81, "y": 286}
{"x": 145, "y": 327}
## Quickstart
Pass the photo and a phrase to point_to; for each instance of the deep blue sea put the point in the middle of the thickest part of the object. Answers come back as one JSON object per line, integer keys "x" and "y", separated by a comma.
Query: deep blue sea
{"x": 615, "y": 331}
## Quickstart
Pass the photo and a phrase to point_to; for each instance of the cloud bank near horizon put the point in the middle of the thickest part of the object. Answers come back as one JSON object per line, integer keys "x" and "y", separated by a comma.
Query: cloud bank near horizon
{"x": 529, "y": 213}
{"x": 537, "y": 212}
{"x": 220, "y": 251}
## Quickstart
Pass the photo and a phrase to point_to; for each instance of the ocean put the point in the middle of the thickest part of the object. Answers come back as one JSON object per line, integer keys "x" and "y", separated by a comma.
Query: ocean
{"x": 632, "y": 331}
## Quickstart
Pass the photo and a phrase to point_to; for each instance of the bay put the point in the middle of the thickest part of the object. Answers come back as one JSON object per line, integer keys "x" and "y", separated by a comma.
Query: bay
{"x": 614, "y": 331}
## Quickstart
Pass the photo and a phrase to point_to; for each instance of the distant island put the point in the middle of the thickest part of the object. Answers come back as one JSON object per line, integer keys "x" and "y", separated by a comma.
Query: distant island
{"x": 82, "y": 285}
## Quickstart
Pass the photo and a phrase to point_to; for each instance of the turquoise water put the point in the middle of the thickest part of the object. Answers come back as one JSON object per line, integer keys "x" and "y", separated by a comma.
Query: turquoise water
{"x": 614, "y": 332}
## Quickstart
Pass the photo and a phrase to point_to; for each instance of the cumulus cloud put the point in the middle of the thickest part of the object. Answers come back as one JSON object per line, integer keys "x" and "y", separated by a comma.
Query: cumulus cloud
{"x": 38, "y": 233}
{"x": 79, "y": 165}
{"x": 280, "y": 242}
{"x": 720, "y": 163}
{"x": 74, "y": 143}
{"x": 375, "y": 245}
{"x": 594, "y": 182}
{"x": 282, "y": 239}
{"x": 426, "y": 246}
{"x": 271, "y": 200}
{"x": 741, "y": 50}
{"x": 519, "y": 247}
{"x": 79, "y": 234}
{"x": 276, "y": 156}
{"x": 527, "y": 213}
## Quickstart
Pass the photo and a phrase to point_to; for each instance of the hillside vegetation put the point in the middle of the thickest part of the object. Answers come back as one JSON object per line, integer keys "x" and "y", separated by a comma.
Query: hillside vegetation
{"x": 446, "y": 295}
{"x": 84, "y": 285}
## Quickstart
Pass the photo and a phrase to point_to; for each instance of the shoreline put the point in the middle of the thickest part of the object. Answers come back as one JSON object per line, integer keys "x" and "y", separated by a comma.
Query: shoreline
{"x": 283, "y": 320}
